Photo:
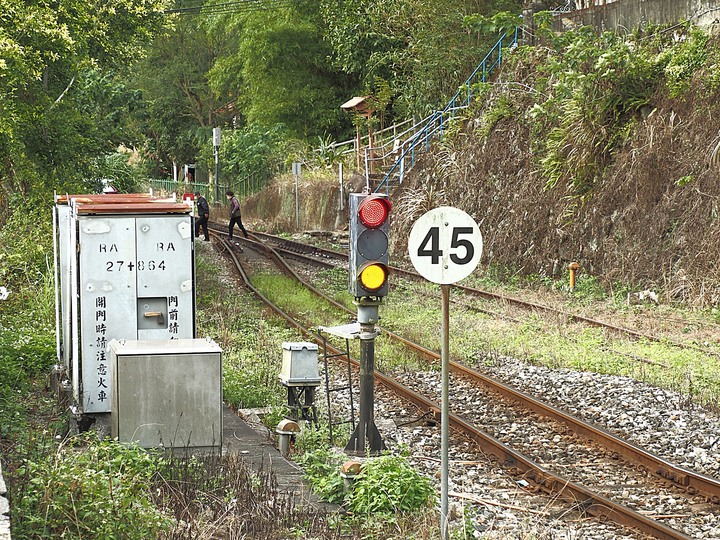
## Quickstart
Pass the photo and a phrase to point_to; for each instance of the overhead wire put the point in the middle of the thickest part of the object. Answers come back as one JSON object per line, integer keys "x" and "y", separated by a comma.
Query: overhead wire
{"x": 240, "y": 6}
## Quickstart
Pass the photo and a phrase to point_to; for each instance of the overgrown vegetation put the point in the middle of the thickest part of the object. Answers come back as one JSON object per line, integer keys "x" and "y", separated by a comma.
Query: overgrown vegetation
{"x": 606, "y": 136}
{"x": 27, "y": 341}
{"x": 385, "y": 485}
{"x": 592, "y": 148}
{"x": 90, "y": 488}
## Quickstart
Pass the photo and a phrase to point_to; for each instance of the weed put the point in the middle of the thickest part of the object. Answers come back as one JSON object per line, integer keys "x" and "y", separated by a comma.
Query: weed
{"x": 87, "y": 488}
{"x": 389, "y": 485}
{"x": 322, "y": 470}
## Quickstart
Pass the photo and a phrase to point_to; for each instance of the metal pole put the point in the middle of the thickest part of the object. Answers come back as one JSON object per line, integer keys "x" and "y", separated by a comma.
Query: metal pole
{"x": 366, "y": 435}
{"x": 342, "y": 192}
{"x": 367, "y": 389}
{"x": 445, "y": 413}
{"x": 297, "y": 204}
{"x": 56, "y": 281}
{"x": 217, "y": 174}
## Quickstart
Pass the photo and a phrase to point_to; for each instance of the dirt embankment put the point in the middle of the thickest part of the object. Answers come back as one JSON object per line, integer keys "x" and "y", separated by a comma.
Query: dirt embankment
{"x": 651, "y": 219}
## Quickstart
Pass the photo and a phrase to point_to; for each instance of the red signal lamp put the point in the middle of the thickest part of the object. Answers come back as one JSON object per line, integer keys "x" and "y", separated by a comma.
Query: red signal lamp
{"x": 374, "y": 211}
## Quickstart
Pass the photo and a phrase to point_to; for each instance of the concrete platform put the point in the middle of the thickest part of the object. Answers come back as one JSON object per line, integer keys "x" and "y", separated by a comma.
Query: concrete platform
{"x": 254, "y": 444}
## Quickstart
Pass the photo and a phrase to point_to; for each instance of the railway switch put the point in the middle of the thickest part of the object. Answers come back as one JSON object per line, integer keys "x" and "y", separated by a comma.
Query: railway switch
{"x": 368, "y": 256}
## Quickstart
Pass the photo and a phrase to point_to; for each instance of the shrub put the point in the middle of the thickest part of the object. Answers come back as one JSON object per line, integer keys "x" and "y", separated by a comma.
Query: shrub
{"x": 88, "y": 489}
{"x": 322, "y": 470}
{"x": 388, "y": 484}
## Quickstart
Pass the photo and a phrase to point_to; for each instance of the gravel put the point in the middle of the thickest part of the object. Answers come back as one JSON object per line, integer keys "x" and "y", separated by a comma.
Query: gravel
{"x": 489, "y": 503}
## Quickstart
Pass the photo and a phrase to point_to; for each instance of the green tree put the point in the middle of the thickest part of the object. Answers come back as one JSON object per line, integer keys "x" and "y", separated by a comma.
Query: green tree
{"x": 180, "y": 106}
{"x": 281, "y": 73}
{"x": 58, "y": 68}
{"x": 422, "y": 48}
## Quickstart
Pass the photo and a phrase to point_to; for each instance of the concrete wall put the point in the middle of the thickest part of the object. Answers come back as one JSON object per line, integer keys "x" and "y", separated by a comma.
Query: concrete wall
{"x": 630, "y": 14}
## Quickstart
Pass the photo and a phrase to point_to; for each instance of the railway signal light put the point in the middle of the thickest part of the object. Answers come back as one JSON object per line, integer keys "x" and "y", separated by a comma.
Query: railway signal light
{"x": 368, "y": 257}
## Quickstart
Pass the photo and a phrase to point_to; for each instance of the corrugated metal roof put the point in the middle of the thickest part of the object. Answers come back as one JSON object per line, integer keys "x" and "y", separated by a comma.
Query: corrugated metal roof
{"x": 136, "y": 207}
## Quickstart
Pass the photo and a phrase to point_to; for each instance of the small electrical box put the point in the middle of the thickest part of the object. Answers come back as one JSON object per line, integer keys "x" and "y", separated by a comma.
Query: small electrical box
{"x": 300, "y": 364}
{"x": 167, "y": 393}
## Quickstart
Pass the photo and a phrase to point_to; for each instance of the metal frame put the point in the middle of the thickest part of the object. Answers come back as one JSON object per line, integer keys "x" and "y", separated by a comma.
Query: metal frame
{"x": 328, "y": 390}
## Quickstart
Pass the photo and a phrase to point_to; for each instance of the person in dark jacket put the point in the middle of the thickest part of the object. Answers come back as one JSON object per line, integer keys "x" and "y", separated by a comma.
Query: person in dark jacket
{"x": 234, "y": 214}
{"x": 203, "y": 214}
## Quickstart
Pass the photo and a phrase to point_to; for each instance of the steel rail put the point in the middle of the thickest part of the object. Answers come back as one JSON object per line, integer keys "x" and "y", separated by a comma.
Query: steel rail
{"x": 516, "y": 463}
{"x": 682, "y": 478}
{"x": 509, "y": 300}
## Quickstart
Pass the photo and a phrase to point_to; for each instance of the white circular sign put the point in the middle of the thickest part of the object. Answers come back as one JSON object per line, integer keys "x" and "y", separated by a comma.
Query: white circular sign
{"x": 445, "y": 245}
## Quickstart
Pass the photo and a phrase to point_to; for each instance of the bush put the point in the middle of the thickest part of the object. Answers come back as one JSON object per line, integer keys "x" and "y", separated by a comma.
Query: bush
{"x": 385, "y": 485}
{"x": 388, "y": 484}
{"x": 98, "y": 489}
{"x": 322, "y": 469}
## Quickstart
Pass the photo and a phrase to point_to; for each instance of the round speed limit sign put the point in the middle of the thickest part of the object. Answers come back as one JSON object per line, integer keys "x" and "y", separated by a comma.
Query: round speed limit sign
{"x": 445, "y": 245}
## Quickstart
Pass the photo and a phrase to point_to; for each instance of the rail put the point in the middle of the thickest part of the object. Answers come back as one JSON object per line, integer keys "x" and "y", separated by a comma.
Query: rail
{"x": 519, "y": 465}
{"x": 684, "y": 479}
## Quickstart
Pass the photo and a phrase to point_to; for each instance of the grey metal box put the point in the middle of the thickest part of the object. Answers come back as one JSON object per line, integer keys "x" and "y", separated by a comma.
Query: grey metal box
{"x": 300, "y": 364}
{"x": 167, "y": 393}
{"x": 130, "y": 267}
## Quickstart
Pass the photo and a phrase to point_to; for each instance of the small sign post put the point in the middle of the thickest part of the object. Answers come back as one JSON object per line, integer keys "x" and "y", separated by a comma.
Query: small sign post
{"x": 216, "y": 136}
{"x": 296, "y": 172}
{"x": 445, "y": 246}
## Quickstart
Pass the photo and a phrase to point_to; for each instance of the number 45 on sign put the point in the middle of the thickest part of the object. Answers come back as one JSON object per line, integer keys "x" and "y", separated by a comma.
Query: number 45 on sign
{"x": 445, "y": 245}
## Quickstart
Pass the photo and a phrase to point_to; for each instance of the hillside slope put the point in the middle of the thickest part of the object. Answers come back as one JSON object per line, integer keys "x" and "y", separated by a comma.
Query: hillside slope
{"x": 593, "y": 149}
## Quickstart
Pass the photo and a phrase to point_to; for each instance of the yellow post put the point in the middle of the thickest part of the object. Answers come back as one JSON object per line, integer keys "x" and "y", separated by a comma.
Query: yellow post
{"x": 574, "y": 267}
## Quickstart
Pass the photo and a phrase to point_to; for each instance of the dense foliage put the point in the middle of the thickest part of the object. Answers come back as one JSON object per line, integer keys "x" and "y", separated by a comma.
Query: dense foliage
{"x": 386, "y": 485}
{"x": 80, "y": 80}
{"x": 97, "y": 490}
{"x": 62, "y": 94}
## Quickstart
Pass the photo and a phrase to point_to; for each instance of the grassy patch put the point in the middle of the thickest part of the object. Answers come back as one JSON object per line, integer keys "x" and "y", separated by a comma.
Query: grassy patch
{"x": 414, "y": 311}
{"x": 294, "y": 298}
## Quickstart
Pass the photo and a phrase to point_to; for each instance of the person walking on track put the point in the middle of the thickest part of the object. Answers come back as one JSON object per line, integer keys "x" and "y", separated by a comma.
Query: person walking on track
{"x": 234, "y": 214}
{"x": 203, "y": 214}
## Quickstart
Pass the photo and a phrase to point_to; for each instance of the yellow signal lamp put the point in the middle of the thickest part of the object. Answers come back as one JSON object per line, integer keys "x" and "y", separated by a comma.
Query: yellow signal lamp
{"x": 373, "y": 276}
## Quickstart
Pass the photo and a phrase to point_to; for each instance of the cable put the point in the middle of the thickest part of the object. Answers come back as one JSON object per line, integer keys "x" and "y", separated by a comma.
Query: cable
{"x": 242, "y": 6}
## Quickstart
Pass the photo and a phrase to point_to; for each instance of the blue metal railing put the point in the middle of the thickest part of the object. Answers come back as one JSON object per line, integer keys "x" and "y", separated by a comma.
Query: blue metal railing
{"x": 436, "y": 123}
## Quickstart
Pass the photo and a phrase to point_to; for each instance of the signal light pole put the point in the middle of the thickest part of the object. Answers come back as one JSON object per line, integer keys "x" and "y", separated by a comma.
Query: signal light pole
{"x": 368, "y": 283}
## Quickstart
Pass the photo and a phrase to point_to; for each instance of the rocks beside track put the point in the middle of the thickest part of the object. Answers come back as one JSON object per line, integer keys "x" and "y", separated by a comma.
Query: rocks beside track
{"x": 663, "y": 422}
{"x": 495, "y": 504}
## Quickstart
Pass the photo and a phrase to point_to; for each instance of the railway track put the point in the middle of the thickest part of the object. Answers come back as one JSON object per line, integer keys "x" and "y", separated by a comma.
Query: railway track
{"x": 329, "y": 258}
{"x": 592, "y": 502}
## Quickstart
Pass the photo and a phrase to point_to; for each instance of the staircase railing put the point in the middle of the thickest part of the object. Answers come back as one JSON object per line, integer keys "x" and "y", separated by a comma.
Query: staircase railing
{"x": 403, "y": 153}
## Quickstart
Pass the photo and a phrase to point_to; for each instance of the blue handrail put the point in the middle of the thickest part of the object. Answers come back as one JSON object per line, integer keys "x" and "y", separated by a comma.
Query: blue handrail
{"x": 436, "y": 122}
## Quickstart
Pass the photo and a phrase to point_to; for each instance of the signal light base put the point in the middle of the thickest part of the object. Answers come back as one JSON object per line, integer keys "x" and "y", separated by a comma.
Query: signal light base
{"x": 367, "y": 311}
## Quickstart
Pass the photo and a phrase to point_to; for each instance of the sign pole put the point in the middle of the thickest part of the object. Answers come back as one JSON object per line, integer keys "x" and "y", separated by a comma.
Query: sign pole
{"x": 445, "y": 413}
{"x": 217, "y": 134}
{"x": 217, "y": 173}
{"x": 296, "y": 172}
{"x": 445, "y": 246}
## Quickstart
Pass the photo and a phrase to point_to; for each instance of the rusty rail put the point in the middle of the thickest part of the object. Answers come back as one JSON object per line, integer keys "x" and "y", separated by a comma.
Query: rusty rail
{"x": 517, "y": 464}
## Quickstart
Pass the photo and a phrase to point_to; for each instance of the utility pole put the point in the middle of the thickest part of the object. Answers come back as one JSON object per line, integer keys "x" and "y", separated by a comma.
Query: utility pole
{"x": 216, "y": 145}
